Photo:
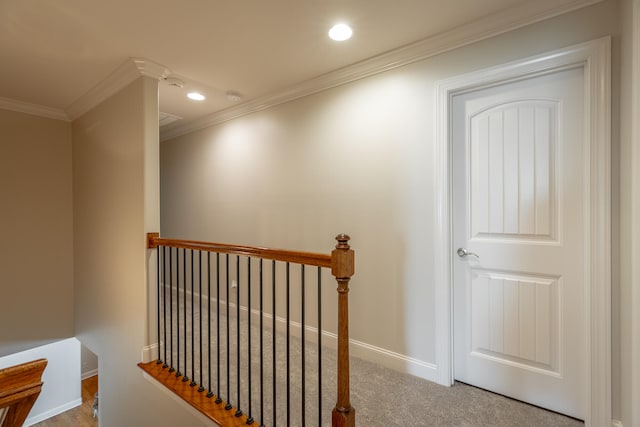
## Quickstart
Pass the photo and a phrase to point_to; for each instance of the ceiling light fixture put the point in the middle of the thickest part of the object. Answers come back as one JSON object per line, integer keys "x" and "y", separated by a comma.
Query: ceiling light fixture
{"x": 340, "y": 32}
{"x": 196, "y": 96}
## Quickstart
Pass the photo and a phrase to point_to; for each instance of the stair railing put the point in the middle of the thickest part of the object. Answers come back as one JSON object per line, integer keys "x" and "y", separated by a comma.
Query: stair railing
{"x": 20, "y": 387}
{"x": 196, "y": 371}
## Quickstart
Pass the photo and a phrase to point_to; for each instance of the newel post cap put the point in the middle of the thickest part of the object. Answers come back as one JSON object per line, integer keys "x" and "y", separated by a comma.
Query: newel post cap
{"x": 342, "y": 258}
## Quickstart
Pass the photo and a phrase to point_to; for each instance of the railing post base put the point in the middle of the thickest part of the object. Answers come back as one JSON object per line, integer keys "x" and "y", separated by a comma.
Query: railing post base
{"x": 343, "y": 419}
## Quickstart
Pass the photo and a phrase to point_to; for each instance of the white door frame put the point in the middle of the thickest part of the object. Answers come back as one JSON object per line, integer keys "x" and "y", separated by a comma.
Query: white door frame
{"x": 594, "y": 58}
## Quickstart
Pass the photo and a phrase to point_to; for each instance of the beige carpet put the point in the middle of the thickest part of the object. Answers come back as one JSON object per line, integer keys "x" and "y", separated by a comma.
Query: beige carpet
{"x": 386, "y": 398}
{"x": 382, "y": 397}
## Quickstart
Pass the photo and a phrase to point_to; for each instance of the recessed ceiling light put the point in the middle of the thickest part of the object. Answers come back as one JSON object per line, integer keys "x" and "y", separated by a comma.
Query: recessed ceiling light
{"x": 196, "y": 96}
{"x": 340, "y": 32}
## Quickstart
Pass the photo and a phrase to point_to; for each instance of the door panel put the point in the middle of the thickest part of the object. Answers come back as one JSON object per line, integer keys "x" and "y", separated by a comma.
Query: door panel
{"x": 512, "y": 170}
{"x": 518, "y": 203}
{"x": 514, "y": 319}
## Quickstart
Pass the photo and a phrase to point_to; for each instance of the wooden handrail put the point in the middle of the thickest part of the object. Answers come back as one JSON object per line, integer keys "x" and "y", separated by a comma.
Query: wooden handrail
{"x": 20, "y": 386}
{"x": 308, "y": 258}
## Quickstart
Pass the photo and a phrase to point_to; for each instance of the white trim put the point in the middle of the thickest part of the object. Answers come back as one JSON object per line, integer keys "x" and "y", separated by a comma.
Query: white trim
{"x": 151, "y": 69}
{"x": 598, "y": 72}
{"x": 126, "y": 73}
{"x": 166, "y": 118}
{"x": 52, "y": 412}
{"x": 507, "y": 20}
{"x": 33, "y": 109}
{"x": 148, "y": 352}
{"x": 616, "y": 423}
{"x": 371, "y": 353}
{"x": 378, "y": 355}
{"x": 525, "y": 13}
{"x": 594, "y": 57}
{"x": 89, "y": 374}
{"x": 392, "y": 360}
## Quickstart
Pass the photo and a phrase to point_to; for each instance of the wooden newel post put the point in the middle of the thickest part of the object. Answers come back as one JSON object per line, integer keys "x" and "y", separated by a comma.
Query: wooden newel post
{"x": 342, "y": 268}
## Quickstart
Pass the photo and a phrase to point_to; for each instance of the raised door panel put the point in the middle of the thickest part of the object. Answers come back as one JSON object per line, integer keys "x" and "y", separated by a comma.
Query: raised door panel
{"x": 512, "y": 150}
{"x": 515, "y": 320}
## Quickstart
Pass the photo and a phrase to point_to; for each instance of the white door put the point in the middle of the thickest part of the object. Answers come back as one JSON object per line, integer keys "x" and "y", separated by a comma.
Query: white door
{"x": 519, "y": 205}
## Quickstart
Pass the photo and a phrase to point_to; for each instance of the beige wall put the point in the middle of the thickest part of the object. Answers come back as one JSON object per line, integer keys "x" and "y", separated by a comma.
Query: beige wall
{"x": 629, "y": 208}
{"x": 358, "y": 159}
{"x": 36, "y": 255}
{"x": 113, "y": 148}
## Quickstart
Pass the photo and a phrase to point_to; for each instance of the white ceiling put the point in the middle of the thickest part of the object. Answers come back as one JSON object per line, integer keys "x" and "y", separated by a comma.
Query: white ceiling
{"x": 54, "y": 52}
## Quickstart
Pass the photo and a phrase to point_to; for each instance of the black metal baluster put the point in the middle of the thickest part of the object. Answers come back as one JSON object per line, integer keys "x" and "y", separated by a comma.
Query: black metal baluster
{"x": 193, "y": 333}
{"x": 201, "y": 388}
{"x": 171, "y": 368}
{"x": 210, "y": 393}
{"x": 319, "y": 346}
{"x": 303, "y": 344}
{"x": 261, "y": 349}
{"x": 250, "y": 418}
{"x": 164, "y": 299}
{"x": 228, "y": 406}
{"x": 184, "y": 312}
{"x": 218, "y": 398}
{"x": 178, "y": 373}
{"x": 158, "y": 361}
{"x": 287, "y": 350}
{"x": 238, "y": 411}
{"x": 273, "y": 335}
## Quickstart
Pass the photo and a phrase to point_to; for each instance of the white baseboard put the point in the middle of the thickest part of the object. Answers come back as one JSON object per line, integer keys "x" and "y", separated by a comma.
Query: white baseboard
{"x": 387, "y": 358}
{"x": 52, "y": 412}
{"x": 89, "y": 374}
{"x": 616, "y": 423}
{"x": 392, "y": 360}
{"x": 148, "y": 352}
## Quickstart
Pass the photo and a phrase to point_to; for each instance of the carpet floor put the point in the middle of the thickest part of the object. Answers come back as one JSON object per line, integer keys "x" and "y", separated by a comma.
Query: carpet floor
{"x": 382, "y": 397}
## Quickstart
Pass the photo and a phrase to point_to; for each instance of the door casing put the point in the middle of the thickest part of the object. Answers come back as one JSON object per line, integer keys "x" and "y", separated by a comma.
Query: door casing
{"x": 594, "y": 58}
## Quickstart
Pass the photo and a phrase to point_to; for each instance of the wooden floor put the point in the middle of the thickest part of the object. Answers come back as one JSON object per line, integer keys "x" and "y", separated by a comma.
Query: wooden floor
{"x": 81, "y": 416}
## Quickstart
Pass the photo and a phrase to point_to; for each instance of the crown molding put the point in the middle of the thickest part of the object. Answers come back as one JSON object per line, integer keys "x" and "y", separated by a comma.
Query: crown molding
{"x": 166, "y": 118}
{"x": 151, "y": 69}
{"x": 33, "y": 109}
{"x": 126, "y": 73}
{"x": 507, "y": 20}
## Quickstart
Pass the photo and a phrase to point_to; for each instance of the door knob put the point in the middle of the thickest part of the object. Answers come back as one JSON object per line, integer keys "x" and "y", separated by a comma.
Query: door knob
{"x": 462, "y": 253}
